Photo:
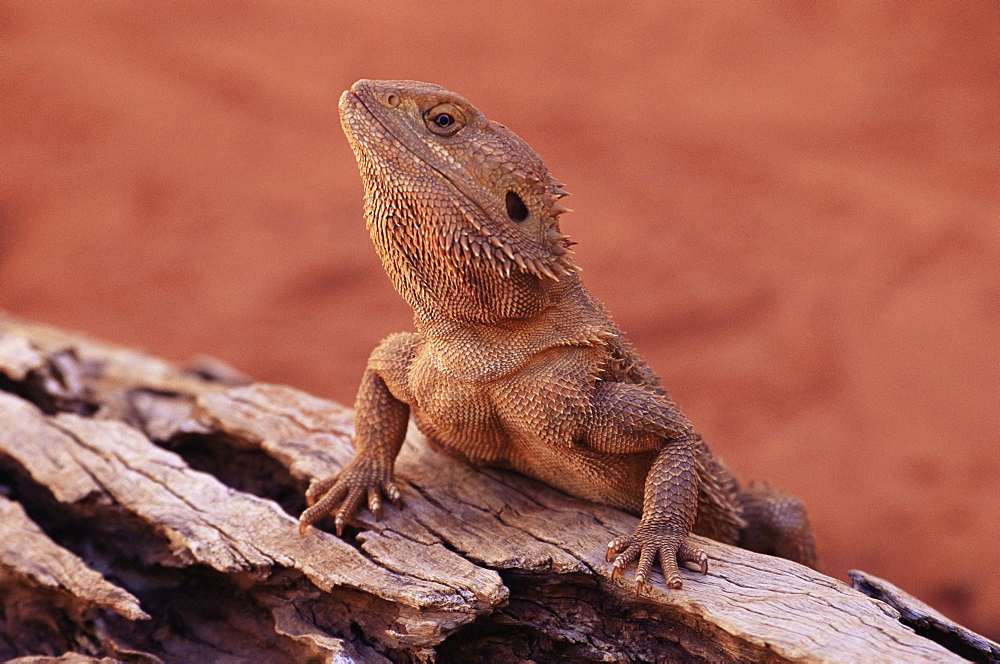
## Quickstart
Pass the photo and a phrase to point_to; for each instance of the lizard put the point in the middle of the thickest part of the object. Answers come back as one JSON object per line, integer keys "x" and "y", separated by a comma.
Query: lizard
{"x": 514, "y": 363}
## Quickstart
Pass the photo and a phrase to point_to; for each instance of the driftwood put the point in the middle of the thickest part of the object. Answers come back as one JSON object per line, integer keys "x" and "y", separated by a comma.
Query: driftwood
{"x": 148, "y": 513}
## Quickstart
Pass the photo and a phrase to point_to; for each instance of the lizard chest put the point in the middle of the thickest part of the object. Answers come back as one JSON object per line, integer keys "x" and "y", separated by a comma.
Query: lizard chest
{"x": 505, "y": 418}
{"x": 458, "y": 415}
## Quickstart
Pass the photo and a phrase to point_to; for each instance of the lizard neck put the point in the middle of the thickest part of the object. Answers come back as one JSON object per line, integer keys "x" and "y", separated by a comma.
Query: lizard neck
{"x": 478, "y": 321}
{"x": 478, "y": 352}
{"x": 448, "y": 289}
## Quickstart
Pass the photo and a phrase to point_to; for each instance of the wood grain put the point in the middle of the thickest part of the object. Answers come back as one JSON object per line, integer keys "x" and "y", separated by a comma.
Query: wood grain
{"x": 151, "y": 511}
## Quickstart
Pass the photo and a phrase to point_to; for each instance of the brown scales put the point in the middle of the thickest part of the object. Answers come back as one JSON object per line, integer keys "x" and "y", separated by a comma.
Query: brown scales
{"x": 514, "y": 363}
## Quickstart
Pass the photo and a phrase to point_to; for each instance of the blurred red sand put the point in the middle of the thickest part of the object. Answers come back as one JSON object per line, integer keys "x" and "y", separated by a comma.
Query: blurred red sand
{"x": 791, "y": 208}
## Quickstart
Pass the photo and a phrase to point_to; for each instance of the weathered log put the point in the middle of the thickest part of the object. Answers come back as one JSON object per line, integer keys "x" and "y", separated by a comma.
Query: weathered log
{"x": 151, "y": 516}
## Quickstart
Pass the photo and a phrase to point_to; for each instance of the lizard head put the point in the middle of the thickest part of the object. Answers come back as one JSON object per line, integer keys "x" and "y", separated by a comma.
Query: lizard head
{"x": 449, "y": 191}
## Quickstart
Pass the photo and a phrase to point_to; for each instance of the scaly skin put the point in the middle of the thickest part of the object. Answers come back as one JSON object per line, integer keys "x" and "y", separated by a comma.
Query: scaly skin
{"x": 514, "y": 363}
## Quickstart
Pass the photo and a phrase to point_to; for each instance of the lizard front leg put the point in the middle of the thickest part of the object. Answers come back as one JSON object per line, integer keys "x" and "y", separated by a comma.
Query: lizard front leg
{"x": 629, "y": 418}
{"x": 380, "y": 427}
{"x": 669, "y": 509}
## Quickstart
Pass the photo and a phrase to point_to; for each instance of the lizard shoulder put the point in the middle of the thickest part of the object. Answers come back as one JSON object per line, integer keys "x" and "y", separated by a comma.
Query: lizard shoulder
{"x": 392, "y": 360}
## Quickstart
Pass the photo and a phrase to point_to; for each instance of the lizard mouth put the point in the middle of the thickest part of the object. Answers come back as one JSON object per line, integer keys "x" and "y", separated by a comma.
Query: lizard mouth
{"x": 352, "y": 104}
{"x": 358, "y": 104}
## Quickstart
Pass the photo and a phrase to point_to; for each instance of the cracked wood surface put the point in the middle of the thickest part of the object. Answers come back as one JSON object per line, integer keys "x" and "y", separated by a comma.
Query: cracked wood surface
{"x": 28, "y": 555}
{"x": 152, "y": 510}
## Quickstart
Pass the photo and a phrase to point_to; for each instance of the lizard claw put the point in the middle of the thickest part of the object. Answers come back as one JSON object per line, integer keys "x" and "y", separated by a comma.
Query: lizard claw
{"x": 692, "y": 554}
{"x": 616, "y": 546}
{"x": 648, "y": 543}
{"x": 348, "y": 489}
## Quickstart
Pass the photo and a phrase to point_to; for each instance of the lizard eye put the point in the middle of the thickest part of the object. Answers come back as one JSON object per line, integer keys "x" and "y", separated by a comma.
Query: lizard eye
{"x": 444, "y": 119}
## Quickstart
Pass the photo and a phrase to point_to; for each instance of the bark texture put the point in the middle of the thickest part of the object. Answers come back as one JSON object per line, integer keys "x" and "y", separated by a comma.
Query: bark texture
{"x": 148, "y": 513}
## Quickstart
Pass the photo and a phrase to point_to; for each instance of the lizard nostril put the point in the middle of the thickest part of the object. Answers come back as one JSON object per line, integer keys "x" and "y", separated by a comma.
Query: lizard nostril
{"x": 391, "y": 100}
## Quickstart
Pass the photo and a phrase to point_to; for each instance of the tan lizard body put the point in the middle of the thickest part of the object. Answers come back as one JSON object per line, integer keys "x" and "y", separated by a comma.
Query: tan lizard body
{"x": 514, "y": 363}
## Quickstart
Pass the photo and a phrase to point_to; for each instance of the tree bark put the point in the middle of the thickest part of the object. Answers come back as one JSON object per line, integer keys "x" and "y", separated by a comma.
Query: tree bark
{"x": 148, "y": 513}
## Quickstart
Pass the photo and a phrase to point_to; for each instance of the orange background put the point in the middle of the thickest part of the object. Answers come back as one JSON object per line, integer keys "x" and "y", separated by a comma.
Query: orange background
{"x": 790, "y": 207}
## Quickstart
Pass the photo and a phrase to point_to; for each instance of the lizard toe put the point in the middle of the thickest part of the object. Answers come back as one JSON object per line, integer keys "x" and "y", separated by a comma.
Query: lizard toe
{"x": 624, "y": 550}
{"x": 692, "y": 554}
{"x": 671, "y": 573}
{"x": 375, "y": 503}
{"x": 319, "y": 487}
{"x": 618, "y": 546}
{"x": 394, "y": 494}
{"x": 320, "y": 508}
{"x": 644, "y": 569}
{"x": 350, "y": 505}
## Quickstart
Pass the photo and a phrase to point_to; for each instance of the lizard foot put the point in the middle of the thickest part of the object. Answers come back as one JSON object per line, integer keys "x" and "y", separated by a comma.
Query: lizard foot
{"x": 649, "y": 541}
{"x": 356, "y": 481}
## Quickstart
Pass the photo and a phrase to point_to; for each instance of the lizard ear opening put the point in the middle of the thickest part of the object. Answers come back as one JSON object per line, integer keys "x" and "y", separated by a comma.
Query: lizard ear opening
{"x": 516, "y": 209}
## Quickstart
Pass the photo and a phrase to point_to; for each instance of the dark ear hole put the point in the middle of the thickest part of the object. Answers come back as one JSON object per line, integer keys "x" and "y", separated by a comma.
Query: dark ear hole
{"x": 516, "y": 209}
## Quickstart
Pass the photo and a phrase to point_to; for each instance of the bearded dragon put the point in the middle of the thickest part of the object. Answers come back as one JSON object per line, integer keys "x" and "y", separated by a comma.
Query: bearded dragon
{"x": 514, "y": 363}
